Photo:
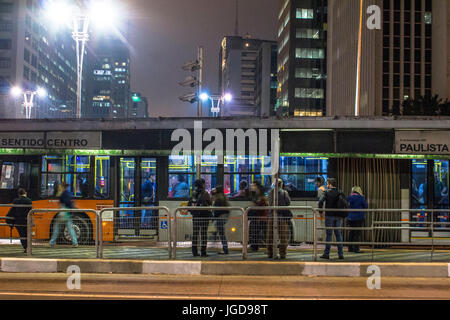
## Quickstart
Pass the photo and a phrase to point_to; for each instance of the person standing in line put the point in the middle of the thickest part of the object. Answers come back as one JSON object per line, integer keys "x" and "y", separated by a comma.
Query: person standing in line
{"x": 356, "y": 219}
{"x": 219, "y": 199}
{"x": 333, "y": 199}
{"x": 200, "y": 218}
{"x": 65, "y": 200}
{"x": 284, "y": 217}
{"x": 20, "y": 216}
{"x": 258, "y": 218}
{"x": 320, "y": 184}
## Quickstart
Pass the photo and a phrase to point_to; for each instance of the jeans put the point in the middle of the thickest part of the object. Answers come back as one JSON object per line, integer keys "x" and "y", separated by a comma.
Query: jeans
{"x": 63, "y": 218}
{"x": 333, "y": 222}
{"x": 355, "y": 235}
{"x": 220, "y": 225}
{"x": 200, "y": 228}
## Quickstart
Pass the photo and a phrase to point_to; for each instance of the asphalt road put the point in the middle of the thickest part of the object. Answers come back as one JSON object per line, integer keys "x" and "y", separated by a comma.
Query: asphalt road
{"x": 112, "y": 286}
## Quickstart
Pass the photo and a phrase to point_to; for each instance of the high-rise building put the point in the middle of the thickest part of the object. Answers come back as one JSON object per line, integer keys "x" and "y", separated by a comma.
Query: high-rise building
{"x": 247, "y": 72}
{"x": 302, "y": 67}
{"x": 138, "y": 106}
{"x": 406, "y": 58}
{"x": 108, "y": 95}
{"x": 33, "y": 56}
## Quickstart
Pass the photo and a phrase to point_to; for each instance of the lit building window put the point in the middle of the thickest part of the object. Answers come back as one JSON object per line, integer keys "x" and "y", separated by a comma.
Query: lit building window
{"x": 304, "y": 14}
{"x": 309, "y": 93}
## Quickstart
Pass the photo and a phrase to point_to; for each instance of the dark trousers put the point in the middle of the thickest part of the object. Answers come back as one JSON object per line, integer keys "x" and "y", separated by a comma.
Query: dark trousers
{"x": 23, "y": 236}
{"x": 257, "y": 232}
{"x": 199, "y": 226}
{"x": 355, "y": 235}
{"x": 220, "y": 225}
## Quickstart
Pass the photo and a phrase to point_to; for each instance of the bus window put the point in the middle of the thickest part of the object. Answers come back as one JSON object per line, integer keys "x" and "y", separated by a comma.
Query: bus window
{"x": 182, "y": 171}
{"x": 299, "y": 174}
{"x": 242, "y": 171}
{"x": 73, "y": 170}
{"x": 441, "y": 183}
{"x": 15, "y": 175}
{"x": 102, "y": 167}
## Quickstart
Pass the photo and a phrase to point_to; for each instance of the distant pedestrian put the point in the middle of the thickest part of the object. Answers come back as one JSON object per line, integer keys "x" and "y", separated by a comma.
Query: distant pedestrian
{"x": 243, "y": 191}
{"x": 356, "y": 219}
{"x": 219, "y": 199}
{"x": 200, "y": 218}
{"x": 20, "y": 216}
{"x": 283, "y": 219}
{"x": 333, "y": 199}
{"x": 65, "y": 200}
{"x": 258, "y": 218}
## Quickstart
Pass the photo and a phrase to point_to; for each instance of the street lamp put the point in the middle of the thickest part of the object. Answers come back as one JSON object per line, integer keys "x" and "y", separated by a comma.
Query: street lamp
{"x": 28, "y": 97}
{"x": 216, "y": 101}
{"x": 61, "y": 12}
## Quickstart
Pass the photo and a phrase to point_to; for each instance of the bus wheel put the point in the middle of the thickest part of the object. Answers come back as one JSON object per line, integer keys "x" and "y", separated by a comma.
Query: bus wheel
{"x": 83, "y": 231}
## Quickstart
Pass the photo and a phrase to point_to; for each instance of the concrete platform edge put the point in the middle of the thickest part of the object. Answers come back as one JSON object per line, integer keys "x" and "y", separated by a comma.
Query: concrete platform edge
{"x": 251, "y": 268}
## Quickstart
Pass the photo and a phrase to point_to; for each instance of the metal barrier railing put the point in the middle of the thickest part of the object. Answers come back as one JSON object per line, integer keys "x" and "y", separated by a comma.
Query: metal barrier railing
{"x": 33, "y": 211}
{"x": 100, "y": 228}
{"x": 275, "y": 225}
{"x": 11, "y": 226}
{"x": 179, "y": 209}
{"x": 373, "y": 227}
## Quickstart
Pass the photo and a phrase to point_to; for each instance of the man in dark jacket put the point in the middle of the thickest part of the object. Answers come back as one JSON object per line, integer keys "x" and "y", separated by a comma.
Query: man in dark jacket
{"x": 332, "y": 219}
{"x": 20, "y": 216}
{"x": 284, "y": 217}
{"x": 200, "y": 218}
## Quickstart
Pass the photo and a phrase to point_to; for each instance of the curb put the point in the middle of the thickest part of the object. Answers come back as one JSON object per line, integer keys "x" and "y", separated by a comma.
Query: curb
{"x": 251, "y": 268}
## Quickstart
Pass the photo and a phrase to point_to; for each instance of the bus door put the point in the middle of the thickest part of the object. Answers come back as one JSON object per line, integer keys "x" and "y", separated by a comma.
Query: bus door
{"x": 18, "y": 172}
{"x": 137, "y": 188}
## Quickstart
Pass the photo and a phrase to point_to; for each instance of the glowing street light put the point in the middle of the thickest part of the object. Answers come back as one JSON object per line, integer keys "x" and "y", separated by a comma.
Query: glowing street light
{"x": 28, "y": 97}
{"x": 216, "y": 101}
{"x": 101, "y": 12}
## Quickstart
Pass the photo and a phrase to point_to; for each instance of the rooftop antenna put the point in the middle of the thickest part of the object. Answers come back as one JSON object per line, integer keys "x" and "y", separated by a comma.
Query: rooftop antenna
{"x": 236, "y": 25}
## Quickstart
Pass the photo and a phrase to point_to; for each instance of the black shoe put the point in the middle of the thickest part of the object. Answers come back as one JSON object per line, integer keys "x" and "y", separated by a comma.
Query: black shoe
{"x": 341, "y": 257}
{"x": 325, "y": 257}
{"x": 195, "y": 254}
{"x": 357, "y": 251}
{"x": 223, "y": 252}
{"x": 350, "y": 250}
{"x": 25, "y": 251}
{"x": 282, "y": 257}
{"x": 204, "y": 255}
{"x": 270, "y": 257}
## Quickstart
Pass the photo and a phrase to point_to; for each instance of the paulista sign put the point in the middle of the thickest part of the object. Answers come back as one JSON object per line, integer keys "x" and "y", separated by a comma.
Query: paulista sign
{"x": 51, "y": 140}
{"x": 422, "y": 142}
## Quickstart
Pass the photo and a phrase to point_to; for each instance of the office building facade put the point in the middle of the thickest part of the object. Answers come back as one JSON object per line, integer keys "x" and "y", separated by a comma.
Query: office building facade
{"x": 246, "y": 72}
{"x": 138, "y": 106}
{"x": 33, "y": 56}
{"x": 406, "y": 58}
{"x": 302, "y": 56}
{"x": 108, "y": 94}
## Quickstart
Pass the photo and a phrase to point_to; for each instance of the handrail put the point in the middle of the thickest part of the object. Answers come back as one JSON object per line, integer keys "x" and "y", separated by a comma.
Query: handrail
{"x": 100, "y": 232}
{"x": 178, "y": 209}
{"x": 32, "y": 211}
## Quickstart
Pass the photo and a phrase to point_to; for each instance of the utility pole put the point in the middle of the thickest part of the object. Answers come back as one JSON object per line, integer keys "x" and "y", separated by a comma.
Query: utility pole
{"x": 200, "y": 60}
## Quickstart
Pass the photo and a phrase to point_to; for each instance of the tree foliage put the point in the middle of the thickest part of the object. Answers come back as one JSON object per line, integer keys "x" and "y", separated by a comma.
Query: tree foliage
{"x": 427, "y": 105}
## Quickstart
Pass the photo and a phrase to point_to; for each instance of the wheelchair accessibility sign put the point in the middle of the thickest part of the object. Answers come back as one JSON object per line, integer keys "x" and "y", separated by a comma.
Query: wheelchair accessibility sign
{"x": 164, "y": 224}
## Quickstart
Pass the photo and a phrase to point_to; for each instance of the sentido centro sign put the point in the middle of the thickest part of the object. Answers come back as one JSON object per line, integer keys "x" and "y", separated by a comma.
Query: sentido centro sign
{"x": 51, "y": 140}
{"x": 422, "y": 142}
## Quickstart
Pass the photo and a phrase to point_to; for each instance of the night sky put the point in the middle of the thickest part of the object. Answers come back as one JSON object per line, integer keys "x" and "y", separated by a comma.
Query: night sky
{"x": 165, "y": 33}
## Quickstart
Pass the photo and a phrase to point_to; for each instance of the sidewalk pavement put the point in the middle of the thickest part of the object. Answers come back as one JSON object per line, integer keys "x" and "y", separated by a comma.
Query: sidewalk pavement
{"x": 138, "y": 260}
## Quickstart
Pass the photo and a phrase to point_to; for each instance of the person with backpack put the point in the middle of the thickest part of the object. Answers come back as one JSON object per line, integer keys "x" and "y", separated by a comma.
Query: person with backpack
{"x": 356, "y": 219}
{"x": 219, "y": 199}
{"x": 284, "y": 217}
{"x": 200, "y": 218}
{"x": 333, "y": 199}
{"x": 19, "y": 216}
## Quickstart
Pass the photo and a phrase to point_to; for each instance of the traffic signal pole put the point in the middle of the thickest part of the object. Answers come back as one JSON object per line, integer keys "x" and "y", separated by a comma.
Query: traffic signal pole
{"x": 200, "y": 60}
